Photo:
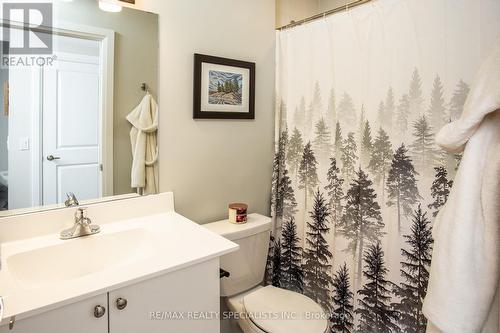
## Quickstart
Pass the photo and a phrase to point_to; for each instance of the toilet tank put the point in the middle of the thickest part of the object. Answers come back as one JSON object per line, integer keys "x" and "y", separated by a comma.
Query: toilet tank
{"x": 247, "y": 265}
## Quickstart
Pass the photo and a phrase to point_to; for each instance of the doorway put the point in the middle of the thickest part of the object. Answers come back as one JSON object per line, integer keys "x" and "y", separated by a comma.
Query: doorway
{"x": 60, "y": 131}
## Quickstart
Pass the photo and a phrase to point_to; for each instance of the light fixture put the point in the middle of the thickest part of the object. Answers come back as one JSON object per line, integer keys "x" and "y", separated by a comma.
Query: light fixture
{"x": 110, "y": 6}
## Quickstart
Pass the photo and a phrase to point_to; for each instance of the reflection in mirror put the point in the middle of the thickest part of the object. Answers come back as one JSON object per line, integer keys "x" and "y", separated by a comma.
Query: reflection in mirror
{"x": 63, "y": 125}
{"x": 4, "y": 135}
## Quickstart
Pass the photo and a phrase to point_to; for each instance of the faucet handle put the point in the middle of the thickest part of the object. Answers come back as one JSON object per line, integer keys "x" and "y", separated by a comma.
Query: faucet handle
{"x": 71, "y": 200}
{"x": 81, "y": 215}
{"x": 81, "y": 211}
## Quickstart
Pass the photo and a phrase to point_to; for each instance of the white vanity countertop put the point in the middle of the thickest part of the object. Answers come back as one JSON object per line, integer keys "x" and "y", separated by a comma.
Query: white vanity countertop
{"x": 123, "y": 253}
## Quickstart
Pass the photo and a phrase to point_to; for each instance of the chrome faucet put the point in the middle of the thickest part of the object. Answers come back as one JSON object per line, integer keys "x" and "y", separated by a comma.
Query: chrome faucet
{"x": 71, "y": 200}
{"x": 83, "y": 226}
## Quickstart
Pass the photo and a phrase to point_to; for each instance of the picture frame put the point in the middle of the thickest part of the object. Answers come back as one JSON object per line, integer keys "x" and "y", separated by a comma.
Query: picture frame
{"x": 223, "y": 88}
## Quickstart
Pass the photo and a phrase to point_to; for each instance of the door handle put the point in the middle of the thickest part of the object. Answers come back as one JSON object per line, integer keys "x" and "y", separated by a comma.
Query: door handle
{"x": 52, "y": 157}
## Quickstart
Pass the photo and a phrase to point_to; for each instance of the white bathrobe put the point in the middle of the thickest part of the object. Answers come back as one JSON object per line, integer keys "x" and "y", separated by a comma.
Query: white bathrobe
{"x": 144, "y": 120}
{"x": 465, "y": 264}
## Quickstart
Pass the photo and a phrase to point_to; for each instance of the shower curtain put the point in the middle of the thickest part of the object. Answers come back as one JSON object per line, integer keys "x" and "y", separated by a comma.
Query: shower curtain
{"x": 358, "y": 178}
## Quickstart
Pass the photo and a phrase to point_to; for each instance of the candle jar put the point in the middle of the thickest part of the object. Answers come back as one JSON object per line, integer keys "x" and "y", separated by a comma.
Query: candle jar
{"x": 238, "y": 213}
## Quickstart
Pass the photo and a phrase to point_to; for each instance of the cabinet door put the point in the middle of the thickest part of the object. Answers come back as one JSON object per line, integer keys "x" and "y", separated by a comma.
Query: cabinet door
{"x": 184, "y": 301}
{"x": 74, "y": 318}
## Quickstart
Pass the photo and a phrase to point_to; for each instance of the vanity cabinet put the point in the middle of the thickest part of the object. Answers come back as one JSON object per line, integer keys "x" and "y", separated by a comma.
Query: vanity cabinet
{"x": 183, "y": 301}
{"x": 73, "y": 318}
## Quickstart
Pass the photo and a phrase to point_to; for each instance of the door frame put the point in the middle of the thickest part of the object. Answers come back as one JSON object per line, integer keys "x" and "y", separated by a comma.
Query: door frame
{"x": 106, "y": 39}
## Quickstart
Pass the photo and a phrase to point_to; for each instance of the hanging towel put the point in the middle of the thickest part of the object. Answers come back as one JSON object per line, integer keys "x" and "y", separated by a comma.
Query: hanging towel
{"x": 144, "y": 120}
{"x": 465, "y": 263}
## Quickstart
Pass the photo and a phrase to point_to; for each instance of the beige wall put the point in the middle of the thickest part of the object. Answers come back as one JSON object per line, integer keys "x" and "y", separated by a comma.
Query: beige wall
{"x": 296, "y": 10}
{"x": 209, "y": 163}
{"x": 324, "y": 5}
{"x": 136, "y": 61}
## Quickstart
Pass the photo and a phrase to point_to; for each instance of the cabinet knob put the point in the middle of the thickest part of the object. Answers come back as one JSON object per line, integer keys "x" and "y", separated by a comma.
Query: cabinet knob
{"x": 99, "y": 311}
{"x": 121, "y": 303}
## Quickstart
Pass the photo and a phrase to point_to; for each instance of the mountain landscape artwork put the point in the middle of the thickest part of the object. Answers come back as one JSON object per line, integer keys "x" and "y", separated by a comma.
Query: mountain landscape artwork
{"x": 224, "y": 88}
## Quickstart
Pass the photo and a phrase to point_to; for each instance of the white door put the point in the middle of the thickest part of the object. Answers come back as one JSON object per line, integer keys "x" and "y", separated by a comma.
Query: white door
{"x": 71, "y": 123}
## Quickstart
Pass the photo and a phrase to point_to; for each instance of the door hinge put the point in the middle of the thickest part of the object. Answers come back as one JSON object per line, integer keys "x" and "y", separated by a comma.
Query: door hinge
{"x": 100, "y": 167}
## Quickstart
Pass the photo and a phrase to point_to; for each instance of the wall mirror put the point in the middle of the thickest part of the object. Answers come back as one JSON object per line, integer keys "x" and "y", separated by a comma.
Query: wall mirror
{"x": 68, "y": 80}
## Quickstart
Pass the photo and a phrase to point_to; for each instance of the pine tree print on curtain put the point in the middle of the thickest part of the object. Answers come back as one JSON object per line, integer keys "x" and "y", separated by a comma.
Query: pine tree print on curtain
{"x": 294, "y": 152}
{"x": 308, "y": 178}
{"x": 279, "y": 166}
{"x": 334, "y": 190}
{"x": 415, "y": 95}
{"x": 402, "y": 184}
{"x": 366, "y": 144}
{"x": 291, "y": 258}
{"x": 347, "y": 112}
{"x": 415, "y": 272}
{"x": 277, "y": 265}
{"x": 338, "y": 139}
{"x": 402, "y": 117}
{"x": 422, "y": 148}
{"x": 437, "y": 108}
{"x": 440, "y": 189}
{"x": 381, "y": 158}
{"x": 361, "y": 223}
{"x": 374, "y": 308}
{"x": 299, "y": 115}
{"x": 356, "y": 164}
{"x": 322, "y": 140}
{"x": 331, "y": 112}
{"x": 283, "y": 204}
{"x": 349, "y": 157}
{"x": 458, "y": 100}
{"x": 317, "y": 255}
{"x": 342, "y": 319}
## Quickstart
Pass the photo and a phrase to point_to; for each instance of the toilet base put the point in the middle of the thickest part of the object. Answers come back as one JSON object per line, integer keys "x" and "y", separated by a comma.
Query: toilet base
{"x": 249, "y": 310}
{"x": 235, "y": 305}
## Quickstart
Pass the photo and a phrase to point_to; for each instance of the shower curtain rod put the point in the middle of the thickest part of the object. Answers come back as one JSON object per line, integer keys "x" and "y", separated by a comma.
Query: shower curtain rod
{"x": 324, "y": 14}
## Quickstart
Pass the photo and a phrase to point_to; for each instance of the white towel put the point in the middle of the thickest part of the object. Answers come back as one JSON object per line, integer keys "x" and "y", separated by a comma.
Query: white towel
{"x": 144, "y": 120}
{"x": 465, "y": 264}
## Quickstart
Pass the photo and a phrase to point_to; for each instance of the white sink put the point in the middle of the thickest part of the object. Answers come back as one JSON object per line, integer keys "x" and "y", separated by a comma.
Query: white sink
{"x": 137, "y": 242}
{"x": 77, "y": 258}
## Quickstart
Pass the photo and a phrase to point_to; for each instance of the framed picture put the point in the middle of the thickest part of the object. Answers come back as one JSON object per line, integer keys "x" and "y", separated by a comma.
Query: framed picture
{"x": 223, "y": 88}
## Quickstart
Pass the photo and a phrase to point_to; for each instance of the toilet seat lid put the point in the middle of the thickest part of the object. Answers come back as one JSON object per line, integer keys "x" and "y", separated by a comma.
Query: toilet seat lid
{"x": 277, "y": 310}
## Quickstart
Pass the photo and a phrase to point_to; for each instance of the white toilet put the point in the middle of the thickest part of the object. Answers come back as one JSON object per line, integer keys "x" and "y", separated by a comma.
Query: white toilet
{"x": 261, "y": 309}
